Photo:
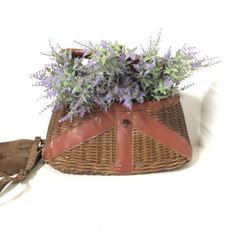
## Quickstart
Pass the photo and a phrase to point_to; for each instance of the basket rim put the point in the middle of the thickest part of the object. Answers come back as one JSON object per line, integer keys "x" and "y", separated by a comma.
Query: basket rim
{"x": 146, "y": 105}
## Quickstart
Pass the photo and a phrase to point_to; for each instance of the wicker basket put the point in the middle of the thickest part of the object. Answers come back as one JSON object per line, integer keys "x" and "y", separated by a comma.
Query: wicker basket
{"x": 152, "y": 137}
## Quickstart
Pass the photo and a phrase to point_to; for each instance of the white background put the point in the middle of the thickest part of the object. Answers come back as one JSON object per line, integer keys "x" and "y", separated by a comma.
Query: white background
{"x": 198, "y": 200}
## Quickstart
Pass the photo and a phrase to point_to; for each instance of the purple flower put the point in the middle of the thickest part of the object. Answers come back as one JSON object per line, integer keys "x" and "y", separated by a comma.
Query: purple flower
{"x": 97, "y": 80}
{"x": 58, "y": 106}
{"x": 168, "y": 82}
{"x": 190, "y": 52}
{"x": 78, "y": 60}
{"x": 108, "y": 97}
{"x": 131, "y": 56}
{"x": 53, "y": 49}
{"x": 149, "y": 66}
{"x": 168, "y": 54}
{"x": 82, "y": 111}
{"x": 63, "y": 119}
{"x": 104, "y": 44}
{"x": 196, "y": 65}
{"x": 58, "y": 71}
{"x": 122, "y": 57}
{"x": 99, "y": 100}
{"x": 127, "y": 103}
{"x": 140, "y": 99}
{"x": 136, "y": 66}
{"x": 51, "y": 93}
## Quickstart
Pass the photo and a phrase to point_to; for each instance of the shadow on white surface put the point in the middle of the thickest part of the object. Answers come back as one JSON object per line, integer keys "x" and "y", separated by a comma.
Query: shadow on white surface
{"x": 14, "y": 191}
{"x": 192, "y": 113}
{"x": 210, "y": 113}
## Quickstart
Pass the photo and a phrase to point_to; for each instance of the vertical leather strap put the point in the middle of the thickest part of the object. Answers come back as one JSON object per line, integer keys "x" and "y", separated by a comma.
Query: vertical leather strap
{"x": 34, "y": 157}
{"x": 124, "y": 143}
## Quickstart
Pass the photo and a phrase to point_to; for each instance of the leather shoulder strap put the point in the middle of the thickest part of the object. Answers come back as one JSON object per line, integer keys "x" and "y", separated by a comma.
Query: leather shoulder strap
{"x": 33, "y": 158}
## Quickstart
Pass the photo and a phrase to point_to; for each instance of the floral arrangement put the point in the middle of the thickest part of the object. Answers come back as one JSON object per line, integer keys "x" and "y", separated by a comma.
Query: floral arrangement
{"x": 108, "y": 73}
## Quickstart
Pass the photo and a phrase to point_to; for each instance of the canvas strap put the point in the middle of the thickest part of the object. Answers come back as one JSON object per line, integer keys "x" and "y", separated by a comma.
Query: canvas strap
{"x": 33, "y": 157}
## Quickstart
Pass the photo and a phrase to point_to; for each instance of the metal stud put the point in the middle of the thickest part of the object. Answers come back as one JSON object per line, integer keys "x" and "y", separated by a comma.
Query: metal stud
{"x": 126, "y": 122}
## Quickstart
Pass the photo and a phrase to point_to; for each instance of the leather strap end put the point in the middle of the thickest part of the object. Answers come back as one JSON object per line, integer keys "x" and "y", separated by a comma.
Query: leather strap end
{"x": 4, "y": 182}
{"x": 34, "y": 157}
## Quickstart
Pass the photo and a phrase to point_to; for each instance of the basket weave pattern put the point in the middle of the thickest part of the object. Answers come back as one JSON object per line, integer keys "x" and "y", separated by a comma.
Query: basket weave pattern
{"x": 98, "y": 155}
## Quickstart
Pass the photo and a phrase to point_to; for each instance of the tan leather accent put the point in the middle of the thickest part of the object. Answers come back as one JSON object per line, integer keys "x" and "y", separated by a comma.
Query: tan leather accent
{"x": 80, "y": 134}
{"x": 162, "y": 134}
{"x": 124, "y": 143}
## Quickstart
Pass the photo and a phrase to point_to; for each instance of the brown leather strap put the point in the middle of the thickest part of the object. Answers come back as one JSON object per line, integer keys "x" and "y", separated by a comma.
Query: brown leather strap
{"x": 124, "y": 143}
{"x": 125, "y": 121}
{"x": 162, "y": 134}
{"x": 34, "y": 157}
{"x": 80, "y": 134}
{"x": 34, "y": 154}
{"x": 5, "y": 181}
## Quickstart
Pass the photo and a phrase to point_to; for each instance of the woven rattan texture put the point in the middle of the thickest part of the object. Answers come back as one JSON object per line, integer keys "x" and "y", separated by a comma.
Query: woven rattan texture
{"x": 97, "y": 156}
